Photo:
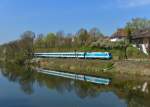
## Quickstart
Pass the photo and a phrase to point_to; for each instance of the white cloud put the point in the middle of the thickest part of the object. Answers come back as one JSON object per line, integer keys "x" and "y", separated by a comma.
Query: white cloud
{"x": 132, "y": 3}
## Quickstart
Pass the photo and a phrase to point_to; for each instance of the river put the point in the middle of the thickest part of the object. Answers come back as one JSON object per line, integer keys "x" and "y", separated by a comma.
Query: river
{"x": 23, "y": 87}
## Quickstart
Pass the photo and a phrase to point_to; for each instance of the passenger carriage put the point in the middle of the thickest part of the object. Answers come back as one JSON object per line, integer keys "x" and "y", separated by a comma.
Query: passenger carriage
{"x": 85, "y": 55}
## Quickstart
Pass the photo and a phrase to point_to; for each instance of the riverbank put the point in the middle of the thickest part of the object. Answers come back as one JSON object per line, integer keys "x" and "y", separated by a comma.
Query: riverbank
{"x": 128, "y": 68}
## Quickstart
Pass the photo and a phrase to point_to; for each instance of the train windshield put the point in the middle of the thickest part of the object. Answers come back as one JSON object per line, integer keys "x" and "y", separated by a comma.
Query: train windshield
{"x": 110, "y": 54}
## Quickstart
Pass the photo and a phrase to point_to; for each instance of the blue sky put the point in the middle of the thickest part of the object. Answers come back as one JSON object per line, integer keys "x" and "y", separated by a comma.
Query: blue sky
{"x": 43, "y": 16}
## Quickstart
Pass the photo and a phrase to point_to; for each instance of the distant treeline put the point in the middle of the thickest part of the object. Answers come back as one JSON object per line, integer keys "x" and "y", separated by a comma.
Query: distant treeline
{"x": 21, "y": 50}
{"x": 86, "y": 40}
{"x": 59, "y": 41}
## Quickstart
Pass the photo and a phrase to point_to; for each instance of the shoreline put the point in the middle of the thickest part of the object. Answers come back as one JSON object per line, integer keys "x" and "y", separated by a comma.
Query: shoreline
{"x": 102, "y": 68}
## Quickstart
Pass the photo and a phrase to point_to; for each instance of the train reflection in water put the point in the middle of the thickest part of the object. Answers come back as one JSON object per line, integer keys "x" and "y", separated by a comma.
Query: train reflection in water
{"x": 92, "y": 79}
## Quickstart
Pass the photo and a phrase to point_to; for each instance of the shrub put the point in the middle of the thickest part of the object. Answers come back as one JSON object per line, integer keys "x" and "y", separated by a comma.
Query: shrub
{"x": 133, "y": 52}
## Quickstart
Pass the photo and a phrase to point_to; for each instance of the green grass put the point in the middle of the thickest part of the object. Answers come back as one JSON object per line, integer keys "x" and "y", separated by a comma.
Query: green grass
{"x": 91, "y": 67}
{"x": 135, "y": 53}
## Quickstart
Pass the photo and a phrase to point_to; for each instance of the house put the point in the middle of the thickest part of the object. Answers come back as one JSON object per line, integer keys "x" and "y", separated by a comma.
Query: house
{"x": 119, "y": 35}
{"x": 141, "y": 40}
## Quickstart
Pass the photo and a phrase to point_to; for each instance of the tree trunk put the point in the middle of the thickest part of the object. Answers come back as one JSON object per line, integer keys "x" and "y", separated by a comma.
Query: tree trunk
{"x": 125, "y": 51}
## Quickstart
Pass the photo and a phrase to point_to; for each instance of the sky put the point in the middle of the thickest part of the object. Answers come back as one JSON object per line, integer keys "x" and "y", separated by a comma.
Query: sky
{"x": 43, "y": 16}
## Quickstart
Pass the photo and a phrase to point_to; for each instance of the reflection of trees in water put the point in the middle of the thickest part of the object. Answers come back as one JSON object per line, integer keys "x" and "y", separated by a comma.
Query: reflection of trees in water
{"x": 27, "y": 78}
{"x": 134, "y": 98}
{"x": 52, "y": 82}
{"x": 138, "y": 99}
{"x": 27, "y": 82}
{"x": 84, "y": 90}
{"x": 21, "y": 75}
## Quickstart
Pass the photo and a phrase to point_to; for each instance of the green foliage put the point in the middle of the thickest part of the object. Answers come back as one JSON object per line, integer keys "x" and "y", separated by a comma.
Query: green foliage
{"x": 138, "y": 24}
{"x": 59, "y": 41}
{"x": 134, "y": 52}
{"x": 129, "y": 35}
{"x": 84, "y": 48}
{"x": 21, "y": 50}
{"x": 106, "y": 44}
{"x": 83, "y": 40}
{"x": 109, "y": 65}
{"x": 50, "y": 40}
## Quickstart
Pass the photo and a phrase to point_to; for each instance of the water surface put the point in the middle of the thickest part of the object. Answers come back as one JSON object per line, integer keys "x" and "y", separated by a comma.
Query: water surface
{"x": 22, "y": 87}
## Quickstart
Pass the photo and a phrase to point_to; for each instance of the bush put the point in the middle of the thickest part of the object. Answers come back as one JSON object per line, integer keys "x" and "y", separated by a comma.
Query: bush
{"x": 133, "y": 52}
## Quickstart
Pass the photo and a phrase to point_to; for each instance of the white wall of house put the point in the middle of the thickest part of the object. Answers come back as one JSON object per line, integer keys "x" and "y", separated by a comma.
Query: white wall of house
{"x": 142, "y": 47}
{"x": 116, "y": 39}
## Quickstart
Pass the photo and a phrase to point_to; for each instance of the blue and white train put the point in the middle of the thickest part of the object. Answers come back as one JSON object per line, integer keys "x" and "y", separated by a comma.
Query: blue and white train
{"x": 85, "y": 55}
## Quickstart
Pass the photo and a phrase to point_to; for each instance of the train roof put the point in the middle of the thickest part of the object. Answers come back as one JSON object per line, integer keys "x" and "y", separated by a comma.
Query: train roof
{"x": 72, "y": 52}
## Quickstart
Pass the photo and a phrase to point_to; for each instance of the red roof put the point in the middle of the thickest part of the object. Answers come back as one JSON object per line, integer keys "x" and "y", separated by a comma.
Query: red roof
{"x": 120, "y": 33}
